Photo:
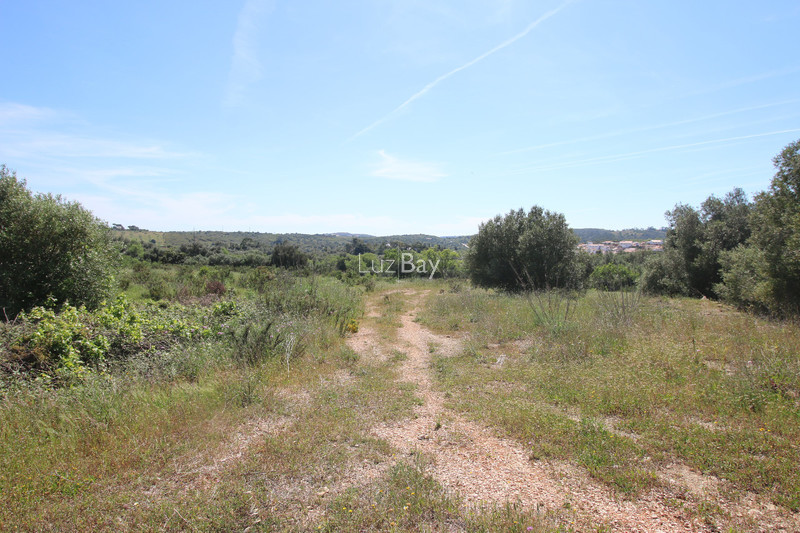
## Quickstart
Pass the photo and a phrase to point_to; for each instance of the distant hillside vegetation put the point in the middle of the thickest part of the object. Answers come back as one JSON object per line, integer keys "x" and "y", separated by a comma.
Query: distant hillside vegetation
{"x": 633, "y": 234}
{"x": 317, "y": 243}
{"x": 338, "y": 242}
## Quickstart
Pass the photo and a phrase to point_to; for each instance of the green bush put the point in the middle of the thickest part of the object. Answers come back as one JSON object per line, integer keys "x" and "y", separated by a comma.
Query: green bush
{"x": 73, "y": 341}
{"x": 523, "y": 251}
{"x": 62, "y": 341}
{"x": 612, "y": 277}
{"x": 51, "y": 248}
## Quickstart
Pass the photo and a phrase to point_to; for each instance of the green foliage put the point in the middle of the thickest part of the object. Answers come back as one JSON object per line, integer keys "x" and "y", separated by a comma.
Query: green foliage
{"x": 764, "y": 273}
{"x": 523, "y": 251}
{"x": 62, "y": 340}
{"x": 254, "y": 342}
{"x": 259, "y": 278}
{"x": 633, "y": 234}
{"x": 696, "y": 241}
{"x": 776, "y": 233}
{"x": 448, "y": 262}
{"x": 664, "y": 273}
{"x": 50, "y": 248}
{"x": 744, "y": 280}
{"x": 74, "y": 341}
{"x": 287, "y": 255}
{"x": 613, "y": 277}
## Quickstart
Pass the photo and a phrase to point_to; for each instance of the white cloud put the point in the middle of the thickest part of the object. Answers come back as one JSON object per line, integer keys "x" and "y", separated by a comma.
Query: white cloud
{"x": 245, "y": 66}
{"x": 36, "y": 133}
{"x": 396, "y": 169}
{"x": 25, "y": 144}
{"x": 57, "y": 151}
{"x": 466, "y": 65}
{"x": 12, "y": 114}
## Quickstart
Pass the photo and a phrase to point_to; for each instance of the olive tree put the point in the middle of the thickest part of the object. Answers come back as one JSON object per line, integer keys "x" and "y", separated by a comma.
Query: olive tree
{"x": 765, "y": 274}
{"x": 50, "y": 248}
{"x": 523, "y": 251}
{"x": 695, "y": 243}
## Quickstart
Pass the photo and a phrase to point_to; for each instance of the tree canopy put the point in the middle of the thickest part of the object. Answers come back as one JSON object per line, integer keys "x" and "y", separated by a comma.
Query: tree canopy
{"x": 765, "y": 274}
{"x": 691, "y": 262}
{"x": 50, "y": 248}
{"x": 523, "y": 251}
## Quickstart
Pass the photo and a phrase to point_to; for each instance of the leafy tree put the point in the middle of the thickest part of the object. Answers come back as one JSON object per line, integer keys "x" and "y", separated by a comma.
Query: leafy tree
{"x": 357, "y": 246}
{"x": 50, "y": 248}
{"x": 690, "y": 264}
{"x": 248, "y": 243}
{"x": 523, "y": 251}
{"x": 448, "y": 263}
{"x": 767, "y": 273}
{"x": 613, "y": 277}
{"x": 288, "y": 255}
{"x": 134, "y": 249}
{"x": 664, "y": 273}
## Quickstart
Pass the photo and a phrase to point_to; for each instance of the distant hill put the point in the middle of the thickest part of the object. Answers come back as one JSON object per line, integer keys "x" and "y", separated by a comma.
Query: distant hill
{"x": 337, "y": 242}
{"x": 316, "y": 243}
{"x": 633, "y": 234}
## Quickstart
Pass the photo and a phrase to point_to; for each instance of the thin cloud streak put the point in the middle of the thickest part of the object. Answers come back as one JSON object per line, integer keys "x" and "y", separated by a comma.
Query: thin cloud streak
{"x": 745, "y": 81}
{"x": 646, "y": 128}
{"x": 14, "y": 113}
{"x": 443, "y": 77}
{"x": 245, "y": 65}
{"x": 633, "y": 155}
{"x": 397, "y": 169}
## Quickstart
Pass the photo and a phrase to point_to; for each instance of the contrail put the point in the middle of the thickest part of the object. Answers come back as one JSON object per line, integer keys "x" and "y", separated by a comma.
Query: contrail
{"x": 632, "y": 155}
{"x": 481, "y": 57}
{"x": 646, "y": 128}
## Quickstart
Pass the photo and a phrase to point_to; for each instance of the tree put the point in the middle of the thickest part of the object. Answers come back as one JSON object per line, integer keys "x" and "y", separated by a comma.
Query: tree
{"x": 523, "y": 251}
{"x": 50, "y": 248}
{"x": 767, "y": 274}
{"x": 288, "y": 256}
{"x": 691, "y": 261}
{"x": 612, "y": 277}
{"x": 357, "y": 247}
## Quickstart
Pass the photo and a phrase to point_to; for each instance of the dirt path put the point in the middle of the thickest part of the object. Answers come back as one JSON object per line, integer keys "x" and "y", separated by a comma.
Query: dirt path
{"x": 486, "y": 469}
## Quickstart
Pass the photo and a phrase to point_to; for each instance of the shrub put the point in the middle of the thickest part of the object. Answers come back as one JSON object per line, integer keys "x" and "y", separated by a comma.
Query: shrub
{"x": 523, "y": 252}
{"x": 612, "y": 277}
{"x": 51, "y": 248}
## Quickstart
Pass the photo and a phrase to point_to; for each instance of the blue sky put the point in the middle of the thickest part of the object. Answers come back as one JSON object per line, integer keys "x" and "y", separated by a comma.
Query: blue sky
{"x": 395, "y": 116}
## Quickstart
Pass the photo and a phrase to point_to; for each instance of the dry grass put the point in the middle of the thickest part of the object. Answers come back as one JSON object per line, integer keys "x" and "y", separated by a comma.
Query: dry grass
{"x": 230, "y": 447}
{"x": 685, "y": 394}
{"x": 678, "y": 380}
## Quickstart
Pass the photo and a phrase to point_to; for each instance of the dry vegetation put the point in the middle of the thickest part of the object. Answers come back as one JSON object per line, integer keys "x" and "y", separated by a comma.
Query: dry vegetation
{"x": 681, "y": 397}
{"x": 635, "y": 414}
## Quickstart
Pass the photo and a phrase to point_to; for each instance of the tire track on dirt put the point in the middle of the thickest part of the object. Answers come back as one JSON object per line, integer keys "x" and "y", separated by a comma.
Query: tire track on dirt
{"x": 483, "y": 468}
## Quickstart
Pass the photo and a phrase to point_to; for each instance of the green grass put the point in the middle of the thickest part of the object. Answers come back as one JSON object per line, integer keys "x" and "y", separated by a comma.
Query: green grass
{"x": 155, "y": 442}
{"x": 618, "y": 388}
{"x": 677, "y": 379}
